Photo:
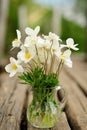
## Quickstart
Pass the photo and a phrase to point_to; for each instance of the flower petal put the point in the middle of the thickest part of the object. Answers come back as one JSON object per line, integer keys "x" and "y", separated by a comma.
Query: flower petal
{"x": 8, "y": 68}
{"x": 12, "y": 59}
{"x": 12, "y": 73}
{"x": 70, "y": 42}
{"x": 37, "y": 29}
{"x": 29, "y": 31}
{"x": 67, "y": 53}
{"x": 68, "y": 63}
{"x": 18, "y": 34}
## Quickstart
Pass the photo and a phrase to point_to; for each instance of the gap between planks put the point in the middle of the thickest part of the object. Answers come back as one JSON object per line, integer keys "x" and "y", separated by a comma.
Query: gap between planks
{"x": 79, "y": 74}
{"x": 76, "y": 107}
{"x": 12, "y": 107}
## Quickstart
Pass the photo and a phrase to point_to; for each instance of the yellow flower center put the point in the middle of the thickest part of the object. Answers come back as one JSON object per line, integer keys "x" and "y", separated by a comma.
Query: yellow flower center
{"x": 69, "y": 47}
{"x": 63, "y": 56}
{"x": 27, "y": 55}
{"x": 16, "y": 40}
{"x": 33, "y": 40}
{"x": 14, "y": 67}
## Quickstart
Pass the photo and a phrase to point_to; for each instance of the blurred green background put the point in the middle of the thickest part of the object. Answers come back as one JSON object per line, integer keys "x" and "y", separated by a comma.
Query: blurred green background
{"x": 51, "y": 15}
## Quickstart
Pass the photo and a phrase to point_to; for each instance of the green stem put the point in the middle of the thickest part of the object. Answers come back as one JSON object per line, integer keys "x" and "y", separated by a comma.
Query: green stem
{"x": 37, "y": 54}
{"x": 46, "y": 60}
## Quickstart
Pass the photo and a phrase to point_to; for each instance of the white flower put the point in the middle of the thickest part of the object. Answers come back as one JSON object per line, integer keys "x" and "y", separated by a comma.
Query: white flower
{"x": 31, "y": 32}
{"x": 40, "y": 51}
{"x": 70, "y": 44}
{"x": 55, "y": 46}
{"x": 32, "y": 41}
{"x": 17, "y": 41}
{"x": 58, "y": 52}
{"x": 29, "y": 41}
{"x": 52, "y": 37}
{"x": 40, "y": 43}
{"x": 46, "y": 44}
{"x": 65, "y": 57}
{"x": 31, "y": 49}
{"x": 25, "y": 55}
{"x": 14, "y": 67}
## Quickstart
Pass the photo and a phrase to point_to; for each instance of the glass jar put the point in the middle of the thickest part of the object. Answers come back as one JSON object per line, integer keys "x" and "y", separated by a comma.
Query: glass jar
{"x": 46, "y": 113}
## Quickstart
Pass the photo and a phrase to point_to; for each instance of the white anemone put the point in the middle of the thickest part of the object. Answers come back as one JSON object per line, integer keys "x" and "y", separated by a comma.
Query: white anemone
{"x": 65, "y": 57}
{"x": 29, "y": 41}
{"x": 25, "y": 55}
{"x": 52, "y": 36}
{"x": 58, "y": 52}
{"x": 17, "y": 41}
{"x": 13, "y": 67}
{"x": 70, "y": 44}
{"x": 54, "y": 39}
{"x": 47, "y": 44}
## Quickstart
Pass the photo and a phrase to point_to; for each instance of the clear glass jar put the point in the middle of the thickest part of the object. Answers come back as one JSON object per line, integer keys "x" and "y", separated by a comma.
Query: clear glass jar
{"x": 45, "y": 114}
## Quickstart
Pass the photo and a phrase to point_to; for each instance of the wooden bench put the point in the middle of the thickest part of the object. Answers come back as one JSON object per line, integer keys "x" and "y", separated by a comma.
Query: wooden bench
{"x": 14, "y": 99}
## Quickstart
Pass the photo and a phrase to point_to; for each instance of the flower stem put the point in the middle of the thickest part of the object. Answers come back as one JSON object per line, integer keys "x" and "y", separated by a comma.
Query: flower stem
{"x": 51, "y": 59}
{"x": 59, "y": 68}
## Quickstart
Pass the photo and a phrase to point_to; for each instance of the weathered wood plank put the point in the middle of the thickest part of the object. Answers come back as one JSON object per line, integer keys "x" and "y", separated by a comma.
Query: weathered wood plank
{"x": 6, "y": 84}
{"x": 79, "y": 74}
{"x": 11, "y": 110}
{"x": 75, "y": 107}
{"x": 78, "y": 93}
{"x": 62, "y": 124}
{"x": 3, "y": 63}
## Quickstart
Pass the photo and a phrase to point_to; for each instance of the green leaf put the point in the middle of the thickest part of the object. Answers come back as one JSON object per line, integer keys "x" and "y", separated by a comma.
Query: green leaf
{"x": 38, "y": 80}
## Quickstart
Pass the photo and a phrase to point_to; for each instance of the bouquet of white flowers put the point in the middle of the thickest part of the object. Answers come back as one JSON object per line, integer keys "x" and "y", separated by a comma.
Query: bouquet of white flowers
{"x": 34, "y": 66}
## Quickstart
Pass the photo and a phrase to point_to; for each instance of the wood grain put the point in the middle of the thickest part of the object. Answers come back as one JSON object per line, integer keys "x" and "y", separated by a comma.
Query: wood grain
{"x": 79, "y": 74}
{"x": 76, "y": 107}
{"x": 11, "y": 110}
